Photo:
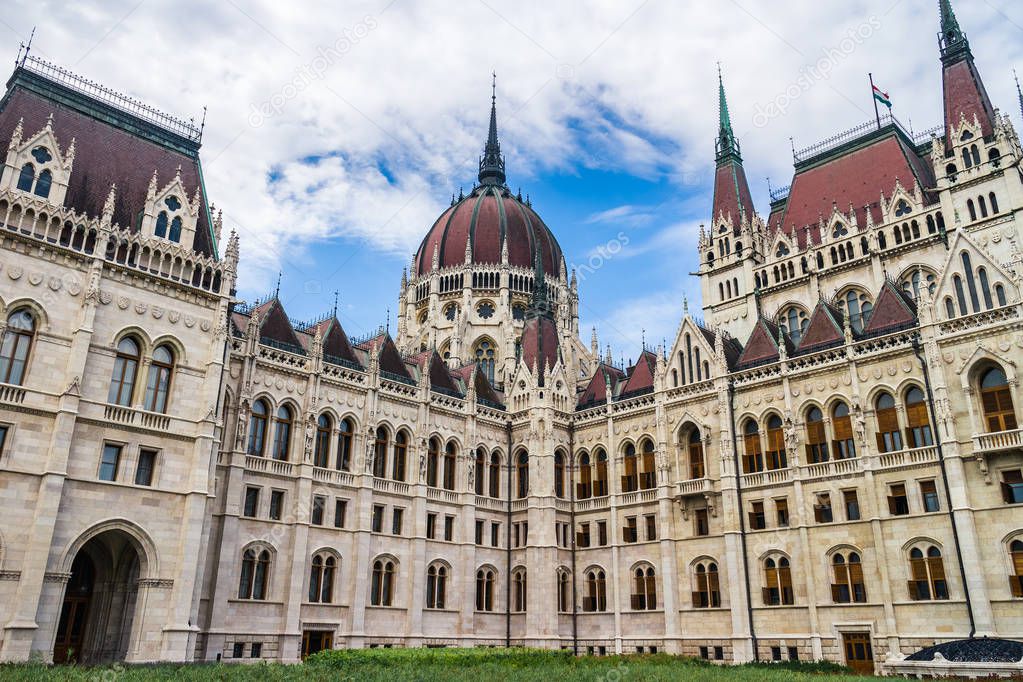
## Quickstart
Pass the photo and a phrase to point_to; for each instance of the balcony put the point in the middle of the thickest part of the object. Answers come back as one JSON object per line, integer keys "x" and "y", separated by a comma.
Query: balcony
{"x": 272, "y": 466}
{"x": 696, "y": 486}
{"x": 333, "y": 476}
{"x": 906, "y": 459}
{"x": 998, "y": 441}
{"x": 384, "y": 485}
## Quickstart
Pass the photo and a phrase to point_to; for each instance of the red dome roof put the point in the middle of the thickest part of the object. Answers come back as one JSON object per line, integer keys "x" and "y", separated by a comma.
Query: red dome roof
{"x": 487, "y": 216}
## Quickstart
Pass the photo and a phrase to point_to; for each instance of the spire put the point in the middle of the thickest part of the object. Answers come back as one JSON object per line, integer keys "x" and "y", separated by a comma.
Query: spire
{"x": 727, "y": 146}
{"x": 953, "y": 40}
{"x": 539, "y": 304}
{"x": 1019, "y": 92}
{"x": 492, "y": 162}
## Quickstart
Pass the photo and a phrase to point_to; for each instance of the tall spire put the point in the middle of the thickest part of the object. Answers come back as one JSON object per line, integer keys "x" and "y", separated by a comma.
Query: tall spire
{"x": 1019, "y": 92}
{"x": 953, "y": 40}
{"x": 492, "y": 162}
{"x": 727, "y": 146}
{"x": 539, "y": 303}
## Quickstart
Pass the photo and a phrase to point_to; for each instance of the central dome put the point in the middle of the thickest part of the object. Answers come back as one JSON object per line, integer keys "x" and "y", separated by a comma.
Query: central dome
{"x": 487, "y": 218}
{"x": 476, "y": 228}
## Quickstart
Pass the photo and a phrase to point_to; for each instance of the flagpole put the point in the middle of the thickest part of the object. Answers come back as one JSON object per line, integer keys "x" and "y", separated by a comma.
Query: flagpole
{"x": 877, "y": 113}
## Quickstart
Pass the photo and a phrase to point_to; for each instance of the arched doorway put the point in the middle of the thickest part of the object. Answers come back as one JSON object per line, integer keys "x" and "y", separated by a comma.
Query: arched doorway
{"x": 98, "y": 611}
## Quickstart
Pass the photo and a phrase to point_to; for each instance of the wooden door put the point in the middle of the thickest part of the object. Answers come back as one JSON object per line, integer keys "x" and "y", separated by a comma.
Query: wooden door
{"x": 316, "y": 640}
{"x": 859, "y": 655}
{"x": 68, "y": 646}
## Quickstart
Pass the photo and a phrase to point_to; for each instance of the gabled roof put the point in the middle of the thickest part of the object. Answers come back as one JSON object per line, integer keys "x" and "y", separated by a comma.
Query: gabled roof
{"x": 483, "y": 387}
{"x": 275, "y": 325}
{"x": 596, "y": 391}
{"x": 641, "y": 375}
{"x": 390, "y": 358}
{"x": 825, "y": 329}
{"x": 731, "y": 195}
{"x": 540, "y": 347}
{"x": 335, "y": 341}
{"x": 112, "y": 146}
{"x": 440, "y": 377}
{"x": 762, "y": 345}
{"x": 893, "y": 310}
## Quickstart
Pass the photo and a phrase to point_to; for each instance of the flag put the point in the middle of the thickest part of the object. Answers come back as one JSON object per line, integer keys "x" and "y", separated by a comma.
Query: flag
{"x": 882, "y": 97}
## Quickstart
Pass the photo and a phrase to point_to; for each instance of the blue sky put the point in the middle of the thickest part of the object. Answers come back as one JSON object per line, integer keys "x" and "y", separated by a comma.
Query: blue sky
{"x": 336, "y": 134}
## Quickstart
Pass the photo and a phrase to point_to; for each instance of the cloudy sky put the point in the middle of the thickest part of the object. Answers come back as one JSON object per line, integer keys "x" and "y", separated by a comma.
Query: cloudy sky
{"x": 337, "y": 131}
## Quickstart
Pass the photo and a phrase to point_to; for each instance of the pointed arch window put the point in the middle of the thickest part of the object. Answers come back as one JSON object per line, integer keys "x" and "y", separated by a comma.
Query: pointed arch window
{"x": 794, "y": 323}
{"x": 559, "y": 475}
{"x": 436, "y": 586}
{"x": 485, "y": 589}
{"x": 707, "y": 594}
{"x": 175, "y": 229}
{"x": 918, "y": 426}
{"x": 257, "y": 427}
{"x": 889, "y": 439}
{"x": 522, "y": 474}
{"x": 380, "y": 446}
{"x": 584, "y": 489}
{"x": 479, "y": 480}
{"x": 844, "y": 446}
{"x": 126, "y": 364}
{"x": 858, "y": 307}
{"x": 519, "y": 590}
{"x": 970, "y": 283}
{"x": 563, "y": 591}
{"x": 255, "y": 574}
{"x": 495, "y": 475}
{"x": 778, "y": 582}
{"x": 696, "y": 464}
{"x": 985, "y": 288}
{"x": 600, "y": 487}
{"x": 321, "y": 578}
{"x": 448, "y": 477}
{"x": 848, "y": 584}
{"x": 382, "y": 583}
{"x": 644, "y": 595}
{"x": 344, "y": 445}
{"x": 927, "y": 575}
{"x": 282, "y": 433}
{"x": 43, "y": 184}
{"x": 161, "y": 369}
{"x": 432, "y": 462}
{"x": 321, "y": 448}
{"x": 596, "y": 591}
{"x": 648, "y": 476}
{"x": 26, "y": 178}
{"x": 816, "y": 438}
{"x": 776, "y": 455}
{"x": 1016, "y": 564}
{"x": 486, "y": 356}
{"x": 753, "y": 454}
{"x": 996, "y": 401}
{"x": 400, "y": 452}
{"x": 15, "y": 345}
{"x": 161, "y": 224}
{"x": 630, "y": 481}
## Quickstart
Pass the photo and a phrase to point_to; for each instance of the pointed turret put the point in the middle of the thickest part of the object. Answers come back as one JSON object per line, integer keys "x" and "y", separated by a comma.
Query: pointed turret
{"x": 733, "y": 203}
{"x": 964, "y": 92}
{"x": 1019, "y": 93}
{"x": 492, "y": 162}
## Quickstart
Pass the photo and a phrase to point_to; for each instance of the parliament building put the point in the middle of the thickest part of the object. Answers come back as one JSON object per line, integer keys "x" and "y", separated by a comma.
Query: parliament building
{"x": 827, "y": 464}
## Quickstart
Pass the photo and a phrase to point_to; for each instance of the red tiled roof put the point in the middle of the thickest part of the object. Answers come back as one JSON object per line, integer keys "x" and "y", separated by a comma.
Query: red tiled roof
{"x": 641, "y": 375}
{"x": 762, "y": 345}
{"x": 965, "y": 95}
{"x": 892, "y": 310}
{"x": 485, "y": 217}
{"x": 825, "y": 327}
{"x": 856, "y": 178}
{"x": 731, "y": 194}
{"x": 105, "y": 154}
{"x": 596, "y": 390}
{"x": 540, "y": 346}
{"x": 275, "y": 325}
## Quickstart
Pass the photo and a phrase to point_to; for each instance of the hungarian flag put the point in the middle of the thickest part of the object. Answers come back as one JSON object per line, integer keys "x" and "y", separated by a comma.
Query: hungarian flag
{"x": 882, "y": 97}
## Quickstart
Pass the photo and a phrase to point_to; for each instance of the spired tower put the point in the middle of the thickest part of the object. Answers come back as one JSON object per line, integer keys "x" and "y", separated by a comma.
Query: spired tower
{"x": 469, "y": 288}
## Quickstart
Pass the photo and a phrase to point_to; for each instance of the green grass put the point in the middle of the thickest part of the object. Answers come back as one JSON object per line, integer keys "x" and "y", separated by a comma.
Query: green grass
{"x": 461, "y": 665}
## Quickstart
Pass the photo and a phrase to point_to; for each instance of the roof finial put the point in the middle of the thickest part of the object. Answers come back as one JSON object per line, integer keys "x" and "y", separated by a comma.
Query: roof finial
{"x": 387, "y": 322}
{"x": 1018, "y": 92}
{"x": 492, "y": 162}
{"x": 335, "y": 303}
{"x": 277, "y": 291}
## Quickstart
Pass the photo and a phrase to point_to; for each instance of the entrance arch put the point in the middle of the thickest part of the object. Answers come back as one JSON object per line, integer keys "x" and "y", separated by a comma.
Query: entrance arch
{"x": 97, "y": 615}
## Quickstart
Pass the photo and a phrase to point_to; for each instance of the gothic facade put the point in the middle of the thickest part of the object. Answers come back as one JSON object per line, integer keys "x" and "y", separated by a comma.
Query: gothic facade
{"x": 828, "y": 465}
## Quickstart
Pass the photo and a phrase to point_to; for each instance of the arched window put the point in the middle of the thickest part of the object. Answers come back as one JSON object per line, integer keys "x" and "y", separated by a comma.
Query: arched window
{"x": 380, "y": 447}
{"x": 522, "y": 474}
{"x": 486, "y": 356}
{"x": 969, "y": 204}
{"x": 927, "y": 575}
{"x": 448, "y": 478}
{"x": 794, "y": 322}
{"x": 644, "y": 595}
{"x": 918, "y": 426}
{"x": 857, "y": 307}
{"x": 158, "y": 382}
{"x": 982, "y": 203}
{"x": 344, "y": 445}
{"x": 43, "y": 184}
{"x": 707, "y": 594}
{"x": 400, "y": 450}
{"x": 175, "y": 229}
{"x": 1016, "y": 564}
{"x": 776, "y": 456}
{"x": 559, "y": 475}
{"x": 957, "y": 283}
{"x": 161, "y": 224}
{"x": 971, "y": 285}
{"x": 975, "y": 153}
{"x": 753, "y": 454}
{"x": 843, "y": 445}
{"x": 479, "y": 479}
{"x": 584, "y": 488}
{"x": 126, "y": 364}
{"x": 996, "y": 401}
{"x": 495, "y": 475}
{"x": 1000, "y": 294}
{"x": 596, "y": 591}
{"x": 950, "y": 310}
{"x": 485, "y": 589}
{"x": 432, "y": 462}
{"x": 257, "y": 427}
{"x": 888, "y": 437}
{"x": 436, "y": 586}
{"x": 26, "y": 178}
{"x": 630, "y": 481}
{"x": 382, "y": 583}
{"x": 600, "y": 487}
{"x": 994, "y": 202}
{"x": 282, "y": 433}
{"x": 15, "y": 346}
{"x": 321, "y": 447}
{"x": 778, "y": 582}
{"x": 985, "y": 288}
{"x": 563, "y": 591}
{"x": 816, "y": 439}
{"x": 321, "y": 578}
{"x": 696, "y": 464}
{"x": 255, "y": 573}
{"x": 519, "y": 590}
{"x": 911, "y": 283}
{"x": 967, "y": 161}
{"x": 848, "y": 584}
{"x": 648, "y": 476}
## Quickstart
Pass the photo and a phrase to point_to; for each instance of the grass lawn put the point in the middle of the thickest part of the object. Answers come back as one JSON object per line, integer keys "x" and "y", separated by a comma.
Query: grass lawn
{"x": 463, "y": 665}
